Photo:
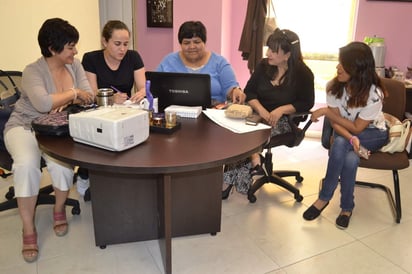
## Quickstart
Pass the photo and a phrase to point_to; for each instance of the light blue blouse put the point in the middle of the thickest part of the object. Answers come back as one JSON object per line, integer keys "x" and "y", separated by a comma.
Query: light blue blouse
{"x": 223, "y": 78}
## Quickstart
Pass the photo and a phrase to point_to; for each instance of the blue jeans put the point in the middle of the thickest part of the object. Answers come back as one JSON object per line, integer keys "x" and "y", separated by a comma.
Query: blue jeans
{"x": 343, "y": 165}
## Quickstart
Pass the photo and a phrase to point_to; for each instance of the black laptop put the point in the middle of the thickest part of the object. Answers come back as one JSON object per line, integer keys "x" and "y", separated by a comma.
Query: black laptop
{"x": 184, "y": 89}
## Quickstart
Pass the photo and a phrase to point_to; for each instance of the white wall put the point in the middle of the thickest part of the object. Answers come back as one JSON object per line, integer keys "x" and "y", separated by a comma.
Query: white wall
{"x": 117, "y": 10}
{"x": 20, "y": 21}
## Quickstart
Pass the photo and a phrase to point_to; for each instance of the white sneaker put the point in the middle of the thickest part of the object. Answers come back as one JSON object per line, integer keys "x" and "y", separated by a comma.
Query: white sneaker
{"x": 82, "y": 185}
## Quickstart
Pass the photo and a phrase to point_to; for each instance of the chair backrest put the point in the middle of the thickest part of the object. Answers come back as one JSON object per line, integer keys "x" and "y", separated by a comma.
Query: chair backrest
{"x": 396, "y": 101}
{"x": 7, "y": 85}
{"x": 9, "y": 81}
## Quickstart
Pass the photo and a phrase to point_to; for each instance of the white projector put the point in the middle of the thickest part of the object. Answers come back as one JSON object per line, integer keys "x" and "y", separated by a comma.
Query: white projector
{"x": 114, "y": 129}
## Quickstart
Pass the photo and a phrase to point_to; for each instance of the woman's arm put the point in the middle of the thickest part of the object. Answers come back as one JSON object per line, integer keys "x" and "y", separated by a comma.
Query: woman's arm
{"x": 92, "y": 78}
{"x": 354, "y": 127}
{"x": 140, "y": 84}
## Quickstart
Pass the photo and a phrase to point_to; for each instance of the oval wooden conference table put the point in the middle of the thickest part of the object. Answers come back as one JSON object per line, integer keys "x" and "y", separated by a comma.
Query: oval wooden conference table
{"x": 168, "y": 186}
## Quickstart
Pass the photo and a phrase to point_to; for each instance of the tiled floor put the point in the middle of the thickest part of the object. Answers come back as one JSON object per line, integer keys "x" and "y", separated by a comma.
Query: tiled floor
{"x": 269, "y": 236}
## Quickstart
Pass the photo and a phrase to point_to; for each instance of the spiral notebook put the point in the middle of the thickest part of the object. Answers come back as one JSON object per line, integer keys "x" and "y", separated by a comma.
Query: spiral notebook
{"x": 182, "y": 89}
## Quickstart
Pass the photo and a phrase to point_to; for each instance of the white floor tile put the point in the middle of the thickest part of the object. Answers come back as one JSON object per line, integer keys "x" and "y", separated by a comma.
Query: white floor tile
{"x": 268, "y": 236}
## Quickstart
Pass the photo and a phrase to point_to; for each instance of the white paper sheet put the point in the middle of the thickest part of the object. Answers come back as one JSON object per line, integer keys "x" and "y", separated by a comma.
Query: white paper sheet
{"x": 235, "y": 125}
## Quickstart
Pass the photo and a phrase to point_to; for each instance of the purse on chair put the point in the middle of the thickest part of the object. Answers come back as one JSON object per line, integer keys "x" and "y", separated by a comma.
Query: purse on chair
{"x": 399, "y": 134}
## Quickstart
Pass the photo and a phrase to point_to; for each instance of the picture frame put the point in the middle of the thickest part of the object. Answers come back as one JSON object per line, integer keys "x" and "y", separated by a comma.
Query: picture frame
{"x": 159, "y": 13}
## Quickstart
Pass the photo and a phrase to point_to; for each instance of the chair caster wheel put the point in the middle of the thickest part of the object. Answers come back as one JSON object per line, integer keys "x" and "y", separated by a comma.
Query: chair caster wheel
{"x": 298, "y": 198}
{"x": 251, "y": 198}
{"x": 102, "y": 247}
{"x": 299, "y": 179}
{"x": 213, "y": 233}
{"x": 76, "y": 210}
{"x": 10, "y": 194}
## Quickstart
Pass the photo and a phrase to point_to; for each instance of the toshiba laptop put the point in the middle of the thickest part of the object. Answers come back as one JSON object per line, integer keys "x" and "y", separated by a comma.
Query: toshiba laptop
{"x": 184, "y": 89}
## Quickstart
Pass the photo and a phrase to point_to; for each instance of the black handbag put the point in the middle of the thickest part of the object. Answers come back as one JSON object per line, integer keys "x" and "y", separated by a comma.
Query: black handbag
{"x": 56, "y": 124}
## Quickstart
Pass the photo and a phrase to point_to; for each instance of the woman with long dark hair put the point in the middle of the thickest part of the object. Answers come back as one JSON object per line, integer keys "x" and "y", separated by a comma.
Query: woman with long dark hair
{"x": 354, "y": 98}
{"x": 281, "y": 84}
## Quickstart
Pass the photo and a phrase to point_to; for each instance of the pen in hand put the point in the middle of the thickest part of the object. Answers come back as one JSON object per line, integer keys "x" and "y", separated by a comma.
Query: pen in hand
{"x": 118, "y": 91}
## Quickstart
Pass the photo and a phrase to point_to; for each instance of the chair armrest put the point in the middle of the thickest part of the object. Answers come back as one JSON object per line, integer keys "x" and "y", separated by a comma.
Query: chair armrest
{"x": 298, "y": 117}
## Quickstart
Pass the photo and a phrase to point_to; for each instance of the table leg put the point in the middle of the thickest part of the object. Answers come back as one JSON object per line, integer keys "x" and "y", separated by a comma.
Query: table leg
{"x": 165, "y": 241}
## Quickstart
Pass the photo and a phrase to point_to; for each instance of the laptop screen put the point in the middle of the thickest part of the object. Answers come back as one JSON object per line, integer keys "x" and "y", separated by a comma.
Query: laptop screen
{"x": 184, "y": 89}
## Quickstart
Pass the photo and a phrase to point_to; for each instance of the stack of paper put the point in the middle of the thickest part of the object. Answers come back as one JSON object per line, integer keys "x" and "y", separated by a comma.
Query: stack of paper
{"x": 185, "y": 111}
{"x": 236, "y": 125}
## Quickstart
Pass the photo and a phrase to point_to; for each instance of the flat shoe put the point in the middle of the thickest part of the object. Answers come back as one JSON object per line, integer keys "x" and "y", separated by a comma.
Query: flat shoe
{"x": 62, "y": 227}
{"x": 312, "y": 212}
{"x": 342, "y": 222}
{"x": 30, "y": 254}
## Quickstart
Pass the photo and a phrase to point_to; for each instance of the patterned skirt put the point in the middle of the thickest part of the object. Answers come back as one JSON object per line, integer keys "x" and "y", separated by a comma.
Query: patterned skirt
{"x": 238, "y": 173}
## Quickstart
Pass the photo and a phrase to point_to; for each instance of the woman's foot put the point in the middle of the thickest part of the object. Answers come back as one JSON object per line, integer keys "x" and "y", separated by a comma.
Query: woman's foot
{"x": 226, "y": 192}
{"x": 30, "y": 249}
{"x": 343, "y": 219}
{"x": 258, "y": 167}
{"x": 60, "y": 223}
{"x": 315, "y": 210}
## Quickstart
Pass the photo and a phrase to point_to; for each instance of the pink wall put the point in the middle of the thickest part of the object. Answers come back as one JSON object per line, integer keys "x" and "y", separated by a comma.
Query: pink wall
{"x": 224, "y": 21}
{"x": 392, "y": 21}
{"x": 151, "y": 43}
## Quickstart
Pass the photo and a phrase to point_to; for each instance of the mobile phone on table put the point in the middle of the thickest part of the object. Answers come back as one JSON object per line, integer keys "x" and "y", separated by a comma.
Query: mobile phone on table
{"x": 253, "y": 119}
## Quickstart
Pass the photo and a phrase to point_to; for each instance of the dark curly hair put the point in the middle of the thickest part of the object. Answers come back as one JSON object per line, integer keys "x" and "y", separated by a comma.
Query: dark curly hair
{"x": 190, "y": 29}
{"x": 54, "y": 34}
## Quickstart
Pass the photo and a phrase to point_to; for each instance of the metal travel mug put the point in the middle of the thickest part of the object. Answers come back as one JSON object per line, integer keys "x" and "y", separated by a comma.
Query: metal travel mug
{"x": 105, "y": 97}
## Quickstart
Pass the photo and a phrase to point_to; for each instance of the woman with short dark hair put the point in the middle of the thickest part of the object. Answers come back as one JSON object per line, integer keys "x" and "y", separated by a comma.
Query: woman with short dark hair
{"x": 193, "y": 57}
{"x": 48, "y": 85}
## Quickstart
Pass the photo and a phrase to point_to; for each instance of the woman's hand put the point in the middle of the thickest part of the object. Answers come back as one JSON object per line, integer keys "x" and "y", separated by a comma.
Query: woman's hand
{"x": 119, "y": 97}
{"x": 86, "y": 97}
{"x": 138, "y": 96}
{"x": 274, "y": 117}
{"x": 238, "y": 96}
{"x": 58, "y": 109}
{"x": 318, "y": 113}
{"x": 361, "y": 151}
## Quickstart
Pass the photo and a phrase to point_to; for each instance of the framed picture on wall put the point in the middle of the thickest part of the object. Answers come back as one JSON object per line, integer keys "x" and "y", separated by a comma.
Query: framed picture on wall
{"x": 159, "y": 13}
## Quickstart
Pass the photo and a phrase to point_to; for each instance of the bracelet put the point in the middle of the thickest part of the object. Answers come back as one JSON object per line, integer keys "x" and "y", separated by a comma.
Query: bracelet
{"x": 75, "y": 93}
{"x": 351, "y": 139}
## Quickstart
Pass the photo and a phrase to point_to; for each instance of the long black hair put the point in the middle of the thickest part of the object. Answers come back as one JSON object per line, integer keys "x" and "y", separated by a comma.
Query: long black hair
{"x": 357, "y": 60}
{"x": 288, "y": 41}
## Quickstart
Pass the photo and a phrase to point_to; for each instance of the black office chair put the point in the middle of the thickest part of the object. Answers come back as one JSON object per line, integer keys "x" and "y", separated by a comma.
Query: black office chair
{"x": 290, "y": 139}
{"x": 11, "y": 80}
{"x": 394, "y": 104}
